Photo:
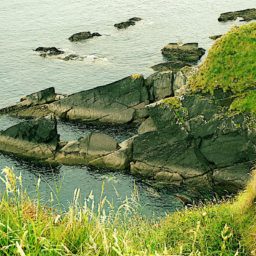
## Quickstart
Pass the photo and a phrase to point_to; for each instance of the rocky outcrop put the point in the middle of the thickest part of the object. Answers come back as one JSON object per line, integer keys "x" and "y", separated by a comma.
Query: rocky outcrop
{"x": 81, "y": 36}
{"x": 35, "y": 139}
{"x": 128, "y": 23}
{"x": 38, "y": 140}
{"x": 246, "y": 15}
{"x": 188, "y": 53}
{"x": 195, "y": 142}
{"x": 120, "y": 102}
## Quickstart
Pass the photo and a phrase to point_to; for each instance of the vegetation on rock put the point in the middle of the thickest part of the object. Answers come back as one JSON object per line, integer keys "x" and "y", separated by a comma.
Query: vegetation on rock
{"x": 230, "y": 64}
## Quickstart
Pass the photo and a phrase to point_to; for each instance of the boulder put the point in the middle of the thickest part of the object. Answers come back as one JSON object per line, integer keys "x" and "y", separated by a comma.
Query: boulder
{"x": 246, "y": 15}
{"x": 128, "y": 23}
{"x": 189, "y": 52}
{"x": 119, "y": 159}
{"x": 34, "y": 139}
{"x": 83, "y": 36}
{"x": 120, "y": 102}
{"x": 49, "y": 51}
{"x": 160, "y": 85}
{"x": 98, "y": 150}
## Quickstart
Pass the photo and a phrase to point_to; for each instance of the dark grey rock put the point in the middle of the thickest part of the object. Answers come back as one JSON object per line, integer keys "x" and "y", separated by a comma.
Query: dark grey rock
{"x": 80, "y": 36}
{"x": 246, "y": 15}
{"x": 128, "y": 23}
{"x": 37, "y": 131}
{"x": 49, "y": 51}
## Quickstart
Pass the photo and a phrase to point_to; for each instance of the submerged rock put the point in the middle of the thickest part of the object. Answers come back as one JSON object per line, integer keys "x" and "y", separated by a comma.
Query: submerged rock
{"x": 49, "y": 51}
{"x": 83, "y": 36}
{"x": 189, "y": 53}
{"x": 246, "y": 15}
{"x": 128, "y": 23}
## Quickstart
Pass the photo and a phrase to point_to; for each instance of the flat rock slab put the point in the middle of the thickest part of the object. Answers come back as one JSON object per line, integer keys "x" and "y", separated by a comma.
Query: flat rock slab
{"x": 189, "y": 52}
{"x": 116, "y": 103}
{"x": 246, "y": 15}
{"x": 81, "y": 36}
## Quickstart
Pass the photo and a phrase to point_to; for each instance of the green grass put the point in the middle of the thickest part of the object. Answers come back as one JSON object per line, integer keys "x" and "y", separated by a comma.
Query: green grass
{"x": 230, "y": 64}
{"x": 28, "y": 228}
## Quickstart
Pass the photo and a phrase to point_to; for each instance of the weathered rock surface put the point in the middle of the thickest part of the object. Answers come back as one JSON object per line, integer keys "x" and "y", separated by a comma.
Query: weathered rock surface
{"x": 189, "y": 53}
{"x": 118, "y": 103}
{"x": 83, "y": 36}
{"x": 128, "y": 23}
{"x": 196, "y": 145}
{"x": 246, "y": 15}
{"x": 36, "y": 139}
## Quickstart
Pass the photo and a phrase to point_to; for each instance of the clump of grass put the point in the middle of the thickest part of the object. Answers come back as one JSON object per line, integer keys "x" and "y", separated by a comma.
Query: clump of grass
{"x": 230, "y": 64}
{"x": 29, "y": 228}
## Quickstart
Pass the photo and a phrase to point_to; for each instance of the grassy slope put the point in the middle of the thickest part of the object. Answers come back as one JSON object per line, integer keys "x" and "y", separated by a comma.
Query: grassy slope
{"x": 231, "y": 66}
{"x": 29, "y": 229}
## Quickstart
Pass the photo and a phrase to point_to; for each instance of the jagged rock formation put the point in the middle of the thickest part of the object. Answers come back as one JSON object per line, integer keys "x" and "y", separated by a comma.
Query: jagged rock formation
{"x": 246, "y": 15}
{"x": 196, "y": 141}
{"x": 121, "y": 102}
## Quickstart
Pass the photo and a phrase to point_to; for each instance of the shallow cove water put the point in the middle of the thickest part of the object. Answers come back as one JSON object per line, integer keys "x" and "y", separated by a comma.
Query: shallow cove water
{"x": 27, "y": 24}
